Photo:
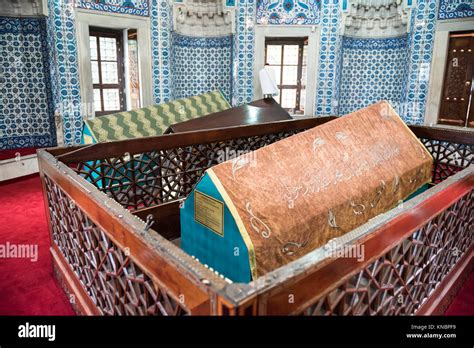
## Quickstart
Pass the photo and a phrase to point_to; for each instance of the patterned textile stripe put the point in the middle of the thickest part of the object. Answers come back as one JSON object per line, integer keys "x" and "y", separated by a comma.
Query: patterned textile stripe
{"x": 211, "y": 103}
{"x": 100, "y": 128}
{"x": 155, "y": 119}
{"x": 221, "y": 101}
{"x": 204, "y": 103}
{"x": 137, "y": 122}
{"x": 214, "y": 105}
{"x": 175, "y": 111}
{"x": 164, "y": 114}
{"x": 116, "y": 129}
{"x": 161, "y": 118}
{"x": 146, "y": 118}
{"x": 186, "y": 104}
{"x": 150, "y": 117}
{"x": 193, "y": 107}
{"x": 125, "y": 127}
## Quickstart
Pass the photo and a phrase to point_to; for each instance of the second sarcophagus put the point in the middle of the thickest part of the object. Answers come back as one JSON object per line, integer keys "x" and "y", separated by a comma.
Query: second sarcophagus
{"x": 253, "y": 214}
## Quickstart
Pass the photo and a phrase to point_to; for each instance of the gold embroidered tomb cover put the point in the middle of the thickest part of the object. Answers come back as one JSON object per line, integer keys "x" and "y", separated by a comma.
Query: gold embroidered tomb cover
{"x": 293, "y": 196}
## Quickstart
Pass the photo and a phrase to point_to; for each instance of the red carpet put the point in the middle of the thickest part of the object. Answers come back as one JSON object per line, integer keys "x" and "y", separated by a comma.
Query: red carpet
{"x": 463, "y": 303}
{"x": 29, "y": 288}
{"x": 7, "y": 154}
{"x": 26, "y": 287}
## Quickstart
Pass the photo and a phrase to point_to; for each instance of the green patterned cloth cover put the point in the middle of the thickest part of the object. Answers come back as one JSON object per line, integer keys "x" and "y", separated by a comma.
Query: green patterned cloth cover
{"x": 152, "y": 120}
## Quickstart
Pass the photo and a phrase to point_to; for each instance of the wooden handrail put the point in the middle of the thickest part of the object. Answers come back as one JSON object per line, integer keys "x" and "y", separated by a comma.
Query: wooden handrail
{"x": 168, "y": 141}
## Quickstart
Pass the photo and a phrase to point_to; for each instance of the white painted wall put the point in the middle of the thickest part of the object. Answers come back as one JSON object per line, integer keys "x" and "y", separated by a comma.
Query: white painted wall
{"x": 17, "y": 167}
{"x": 23, "y": 8}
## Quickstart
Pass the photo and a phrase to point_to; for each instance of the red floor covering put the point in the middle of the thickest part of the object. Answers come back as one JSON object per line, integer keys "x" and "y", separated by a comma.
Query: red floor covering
{"x": 26, "y": 287}
{"x": 29, "y": 288}
{"x": 7, "y": 154}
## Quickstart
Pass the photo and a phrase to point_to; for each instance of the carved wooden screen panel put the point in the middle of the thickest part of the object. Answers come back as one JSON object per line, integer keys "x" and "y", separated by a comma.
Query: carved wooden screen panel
{"x": 398, "y": 282}
{"x": 112, "y": 280}
{"x": 160, "y": 176}
{"x": 449, "y": 158}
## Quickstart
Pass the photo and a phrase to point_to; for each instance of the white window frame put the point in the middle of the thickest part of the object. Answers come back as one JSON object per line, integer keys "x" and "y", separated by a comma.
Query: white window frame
{"x": 86, "y": 19}
{"x": 313, "y": 34}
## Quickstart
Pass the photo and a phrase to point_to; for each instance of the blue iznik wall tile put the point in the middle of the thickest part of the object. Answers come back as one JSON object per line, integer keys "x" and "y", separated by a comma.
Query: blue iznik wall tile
{"x": 452, "y": 9}
{"x": 420, "y": 54}
{"x": 26, "y": 106}
{"x": 288, "y": 11}
{"x": 244, "y": 53}
{"x": 327, "y": 88}
{"x": 372, "y": 70}
{"x": 201, "y": 64}
{"x": 161, "y": 25}
{"x": 64, "y": 67}
{"x": 130, "y": 7}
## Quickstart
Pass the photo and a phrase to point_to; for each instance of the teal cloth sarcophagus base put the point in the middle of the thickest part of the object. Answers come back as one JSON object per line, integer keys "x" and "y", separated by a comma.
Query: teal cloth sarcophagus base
{"x": 229, "y": 255}
{"x": 260, "y": 211}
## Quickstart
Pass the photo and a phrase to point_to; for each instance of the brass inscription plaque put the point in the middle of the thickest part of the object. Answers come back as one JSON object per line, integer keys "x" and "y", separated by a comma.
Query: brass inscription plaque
{"x": 209, "y": 212}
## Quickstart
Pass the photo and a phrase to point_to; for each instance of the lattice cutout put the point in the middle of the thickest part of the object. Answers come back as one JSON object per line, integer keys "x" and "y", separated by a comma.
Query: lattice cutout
{"x": 400, "y": 281}
{"x": 113, "y": 281}
{"x": 449, "y": 158}
{"x": 161, "y": 176}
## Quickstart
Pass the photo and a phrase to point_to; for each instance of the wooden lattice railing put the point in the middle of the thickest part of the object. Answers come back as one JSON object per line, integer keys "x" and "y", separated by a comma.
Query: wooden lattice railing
{"x": 399, "y": 281}
{"x": 123, "y": 267}
{"x": 115, "y": 283}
